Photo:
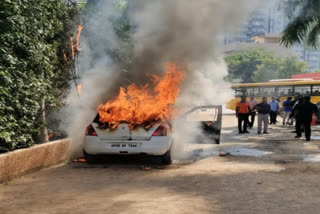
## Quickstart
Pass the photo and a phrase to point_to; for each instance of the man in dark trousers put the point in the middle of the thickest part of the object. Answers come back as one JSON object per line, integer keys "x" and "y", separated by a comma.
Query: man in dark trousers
{"x": 287, "y": 110}
{"x": 296, "y": 115}
{"x": 274, "y": 110}
{"x": 304, "y": 112}
{"x": 242, "y": 112}
{"x": 263, "y": 115}
{"x": 293, "y": 103}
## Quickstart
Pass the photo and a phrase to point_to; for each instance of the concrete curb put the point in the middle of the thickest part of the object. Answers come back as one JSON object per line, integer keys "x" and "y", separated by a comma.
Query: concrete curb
{"x": 20, "y": 162}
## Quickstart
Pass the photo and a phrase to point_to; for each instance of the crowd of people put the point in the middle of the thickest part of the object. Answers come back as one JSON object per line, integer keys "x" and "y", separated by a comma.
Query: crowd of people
{"x": 299, "y": 109}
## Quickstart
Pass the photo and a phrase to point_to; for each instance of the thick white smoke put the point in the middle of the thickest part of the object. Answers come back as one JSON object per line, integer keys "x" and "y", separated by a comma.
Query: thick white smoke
{"x": 180, "y": 31}
{"x": 187, "y": 32}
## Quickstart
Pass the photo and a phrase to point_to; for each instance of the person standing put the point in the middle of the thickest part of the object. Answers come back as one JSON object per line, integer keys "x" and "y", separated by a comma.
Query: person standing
{"x": 274, "y": 105}
{"x": 242, "y": 112}
{"x": 298, "y": 116}
{"x": 293, "y": 103}
{"x": 252, "y": 103}
{"x": 287, "y": 110}
{"x": 279, "y": 101}
{"x": 305, "y": 112}
{"x": 263, "y": 115}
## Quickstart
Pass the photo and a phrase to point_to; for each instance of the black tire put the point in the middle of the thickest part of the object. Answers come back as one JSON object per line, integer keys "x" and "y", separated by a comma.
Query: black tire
{"x": 217, "y": 139}
{"x": 91, "y": 159}
{"x": 166, "y": 158}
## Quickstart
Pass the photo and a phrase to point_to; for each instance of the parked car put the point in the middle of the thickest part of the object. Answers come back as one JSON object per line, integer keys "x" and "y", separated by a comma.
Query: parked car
{"x": 158, "y": 140}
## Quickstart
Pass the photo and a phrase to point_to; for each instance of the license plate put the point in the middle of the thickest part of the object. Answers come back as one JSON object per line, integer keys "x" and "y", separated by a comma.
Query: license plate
{"x": 125, "y": 145}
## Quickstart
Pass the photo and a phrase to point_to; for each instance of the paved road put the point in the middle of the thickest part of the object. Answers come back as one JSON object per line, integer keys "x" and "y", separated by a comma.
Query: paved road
{"x": 262, "y": 175}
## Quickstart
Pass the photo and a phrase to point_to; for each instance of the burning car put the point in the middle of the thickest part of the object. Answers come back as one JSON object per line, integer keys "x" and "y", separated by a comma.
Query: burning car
{"x": 138, "y": 120}
{"x": 157, "y": 140}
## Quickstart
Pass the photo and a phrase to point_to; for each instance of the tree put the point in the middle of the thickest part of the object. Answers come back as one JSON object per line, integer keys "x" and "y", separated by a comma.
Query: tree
{"x": 258, "y": 65}
{"x": 305, "y": 24}
{"x": 290, "y": 66}
{"x": 268, "y": 70}
{"x": 242, "y": 64}
{"x": 33, "y": 71}
{"x": 117, "y": 25}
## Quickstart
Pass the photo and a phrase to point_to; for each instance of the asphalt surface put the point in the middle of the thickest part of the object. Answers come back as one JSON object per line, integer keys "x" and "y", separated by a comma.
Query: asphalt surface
{"x": 245, "y": 174}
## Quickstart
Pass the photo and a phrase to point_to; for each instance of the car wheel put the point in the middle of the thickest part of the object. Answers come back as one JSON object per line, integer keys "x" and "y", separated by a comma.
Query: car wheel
{"x": 166, "y": 158}
{"x": 217, "y": 139}
{"x": 90, "y": 158}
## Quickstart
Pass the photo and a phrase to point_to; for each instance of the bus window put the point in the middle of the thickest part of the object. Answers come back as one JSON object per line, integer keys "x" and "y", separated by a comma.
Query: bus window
{"x": 253, "y": 92}
{"x": 285, "y": 91}
{"x": 304, "y": 89}
{"x": 316, "y": 90}
{"x": 240, "y": 92}
{"x": 268, "y": 92}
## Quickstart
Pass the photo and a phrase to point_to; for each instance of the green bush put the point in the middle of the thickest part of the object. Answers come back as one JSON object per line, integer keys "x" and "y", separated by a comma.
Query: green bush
{"x": 33, "y": 36}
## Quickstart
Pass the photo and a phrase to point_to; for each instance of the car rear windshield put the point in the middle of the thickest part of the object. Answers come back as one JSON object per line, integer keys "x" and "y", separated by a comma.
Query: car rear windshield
{"x": 96, "y": 119}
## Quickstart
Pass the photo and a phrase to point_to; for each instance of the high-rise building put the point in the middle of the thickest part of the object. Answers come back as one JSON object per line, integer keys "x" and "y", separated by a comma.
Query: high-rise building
{"x": 271, "y": 20}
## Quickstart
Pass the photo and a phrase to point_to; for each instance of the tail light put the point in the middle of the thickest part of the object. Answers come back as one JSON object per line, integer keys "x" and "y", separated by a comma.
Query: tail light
{"x": 90, "y": 131}
{"x": 160, "y": 131}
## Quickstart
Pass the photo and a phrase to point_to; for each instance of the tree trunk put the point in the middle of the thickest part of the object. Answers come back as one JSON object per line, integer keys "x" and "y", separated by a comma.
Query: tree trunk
{"x": 43, "y": 135}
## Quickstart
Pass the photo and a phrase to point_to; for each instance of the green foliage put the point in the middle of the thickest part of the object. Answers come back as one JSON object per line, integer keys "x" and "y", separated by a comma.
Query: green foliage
{"x": 267, "y": 70}
{"x": 120, "y": 46}
{"x": 305, "y": 22}
{"x": 32, "y": 37}
{"x": 121, "y": 26}
{"x": 258, "y": 65}
{"x": 244, "y": 63}
{"x": 290, "y": 66}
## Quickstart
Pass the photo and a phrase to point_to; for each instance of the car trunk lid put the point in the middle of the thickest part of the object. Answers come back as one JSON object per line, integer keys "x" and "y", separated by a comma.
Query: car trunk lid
{"x": 141, "y": 133}
{"x": 123, "y": 132}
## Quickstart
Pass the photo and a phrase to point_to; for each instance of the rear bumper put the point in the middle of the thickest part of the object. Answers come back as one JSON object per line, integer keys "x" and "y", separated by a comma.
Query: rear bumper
{"x": 156, "y": 146}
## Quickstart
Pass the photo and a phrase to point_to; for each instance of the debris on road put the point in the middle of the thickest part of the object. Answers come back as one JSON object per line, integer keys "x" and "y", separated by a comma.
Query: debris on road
{"x": 81, "y": 160}
{"x": 146, "y": 168}
{"x": 256, "y": 138}
{"x": 224, "y": 154}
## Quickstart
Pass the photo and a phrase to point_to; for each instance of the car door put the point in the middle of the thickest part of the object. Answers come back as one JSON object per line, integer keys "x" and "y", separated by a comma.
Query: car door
{"x": 210, "y": 119}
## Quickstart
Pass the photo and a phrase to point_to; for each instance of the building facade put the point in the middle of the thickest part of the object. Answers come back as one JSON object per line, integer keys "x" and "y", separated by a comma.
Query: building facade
{"x": 272, "y": 20}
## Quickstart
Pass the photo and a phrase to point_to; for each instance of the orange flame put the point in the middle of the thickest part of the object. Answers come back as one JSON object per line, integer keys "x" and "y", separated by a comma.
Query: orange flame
{"x": 144, "y": 105}
{"x": 72, "y": 47}
{"x": 64, "y": 55}
{"x": 79, "y": 87}
{"x": 80, "y": 27}
{"x": 81, "y": 160}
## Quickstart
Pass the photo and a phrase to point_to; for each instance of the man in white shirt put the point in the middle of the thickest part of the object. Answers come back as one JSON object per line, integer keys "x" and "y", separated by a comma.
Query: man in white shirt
{"x": 252, "y": 104}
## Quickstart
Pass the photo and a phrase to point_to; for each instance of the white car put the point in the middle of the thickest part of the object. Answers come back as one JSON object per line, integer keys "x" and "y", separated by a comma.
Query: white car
{"x": 156, "y": 141}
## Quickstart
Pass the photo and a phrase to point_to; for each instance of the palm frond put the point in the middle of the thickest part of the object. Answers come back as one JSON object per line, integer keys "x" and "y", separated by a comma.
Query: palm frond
{"x": 298, "y": 29}
{"x": 291, "y": 7}
{"x": 312, "y": 38}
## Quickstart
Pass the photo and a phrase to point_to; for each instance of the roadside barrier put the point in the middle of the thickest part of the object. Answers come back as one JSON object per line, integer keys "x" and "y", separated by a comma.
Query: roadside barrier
{"x": 20, "y": 162}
